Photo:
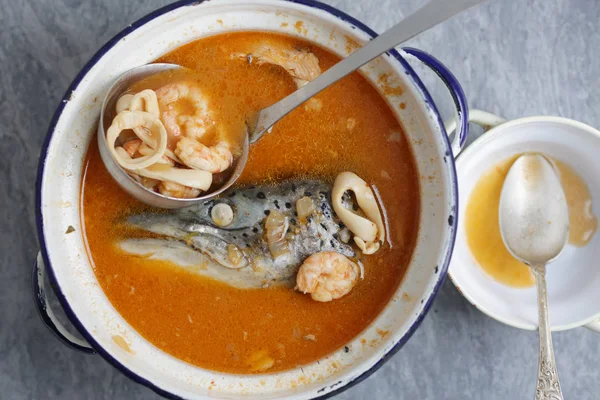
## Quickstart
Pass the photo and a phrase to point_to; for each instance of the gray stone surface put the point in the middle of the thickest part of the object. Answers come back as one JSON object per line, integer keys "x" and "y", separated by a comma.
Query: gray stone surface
{"x": 513, "y": 57}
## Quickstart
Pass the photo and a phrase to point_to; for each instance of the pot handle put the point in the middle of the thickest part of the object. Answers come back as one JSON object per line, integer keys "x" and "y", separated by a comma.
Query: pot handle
{"x": 46, "y": 313}
{"x": 594, "y": 326}
{"x": 482, "y": 118}
{"x": 458, "y": 95}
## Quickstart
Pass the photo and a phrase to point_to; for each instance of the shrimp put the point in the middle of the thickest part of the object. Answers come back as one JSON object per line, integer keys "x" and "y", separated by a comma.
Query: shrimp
{"x": 132, "y": 146}
{"x": 327, "y": 276}
{"x": 177, "y": 123}
{"x": 302, "y": 65}
{"x": 196, "y": 155}
{"x": 173, "y": 189}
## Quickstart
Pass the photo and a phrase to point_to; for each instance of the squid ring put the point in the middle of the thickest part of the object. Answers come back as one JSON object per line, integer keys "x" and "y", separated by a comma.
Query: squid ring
{"x": 153, "y": 134}
{"x": 369, "y": 232}
{"x": 164, "y": 172}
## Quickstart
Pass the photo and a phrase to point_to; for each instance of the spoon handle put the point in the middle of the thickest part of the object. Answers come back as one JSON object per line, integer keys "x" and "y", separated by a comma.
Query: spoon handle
{"x": 429, "y": 15}
{"x": 548, "y": 386}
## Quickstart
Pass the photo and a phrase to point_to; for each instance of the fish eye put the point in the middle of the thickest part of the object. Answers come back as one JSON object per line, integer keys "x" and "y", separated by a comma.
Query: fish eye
{"x": 222, "y": 214}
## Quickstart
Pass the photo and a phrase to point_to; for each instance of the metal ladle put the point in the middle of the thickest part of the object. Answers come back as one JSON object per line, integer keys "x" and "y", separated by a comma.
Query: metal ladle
{"x": 129, "y": 184}
{"x": 534, "y": 223}
{"x": 433, "y": 13}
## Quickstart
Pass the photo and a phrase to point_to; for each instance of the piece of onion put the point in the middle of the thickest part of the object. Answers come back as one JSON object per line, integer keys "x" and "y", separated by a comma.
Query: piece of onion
{"x": 276, "y": 227}
{"x": 260, "y": 361}
{"x": 138, "y": 119}
{"x": 235, "y": 255}
{"x": 305, "y": 207}
{"x": 313, "y": 104}
{"x": 344, "y": 235}
{"x": 159, "y": 167}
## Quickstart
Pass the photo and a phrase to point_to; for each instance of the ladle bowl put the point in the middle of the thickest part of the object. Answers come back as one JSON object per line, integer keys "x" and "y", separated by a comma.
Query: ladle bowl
{"x": 120, "y": 175}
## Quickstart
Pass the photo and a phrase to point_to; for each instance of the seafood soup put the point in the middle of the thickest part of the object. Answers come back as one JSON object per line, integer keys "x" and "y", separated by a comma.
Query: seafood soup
{"x": 293, "y": 261}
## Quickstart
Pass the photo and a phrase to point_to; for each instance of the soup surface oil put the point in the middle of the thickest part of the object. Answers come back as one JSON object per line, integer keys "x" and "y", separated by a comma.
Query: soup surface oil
{"x": 483, "y": 228}
{"x": 218, "y": 327}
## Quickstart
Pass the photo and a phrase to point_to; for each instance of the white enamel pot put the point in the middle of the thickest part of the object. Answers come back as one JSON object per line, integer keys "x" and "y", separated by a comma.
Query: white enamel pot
{"x": 63, "y": 255}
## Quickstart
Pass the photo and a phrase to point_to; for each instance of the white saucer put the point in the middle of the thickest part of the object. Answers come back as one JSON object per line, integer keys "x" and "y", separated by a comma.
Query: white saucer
{"x": 574, "y": 278}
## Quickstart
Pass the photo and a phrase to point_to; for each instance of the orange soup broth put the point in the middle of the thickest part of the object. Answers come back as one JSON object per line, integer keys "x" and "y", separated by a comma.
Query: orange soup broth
{"x": 213, "y": 325}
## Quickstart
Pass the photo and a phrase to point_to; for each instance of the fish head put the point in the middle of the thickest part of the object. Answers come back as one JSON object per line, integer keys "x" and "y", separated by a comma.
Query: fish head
{"x": 243, "y": 244}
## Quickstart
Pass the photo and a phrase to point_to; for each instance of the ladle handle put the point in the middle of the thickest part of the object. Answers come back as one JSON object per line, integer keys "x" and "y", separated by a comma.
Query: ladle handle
{"x": 429, "y": 15}
{"x": 548, "y": 386}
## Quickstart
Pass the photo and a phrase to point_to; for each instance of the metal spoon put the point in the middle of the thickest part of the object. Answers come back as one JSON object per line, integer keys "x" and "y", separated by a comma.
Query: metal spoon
{"x": 534, "y": 222}
{"x": 431, "y": 14}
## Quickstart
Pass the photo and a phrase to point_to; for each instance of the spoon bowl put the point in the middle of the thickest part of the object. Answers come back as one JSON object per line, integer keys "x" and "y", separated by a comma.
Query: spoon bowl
{"x": 121, "y": 176}
{"x": 534, "y": 215}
